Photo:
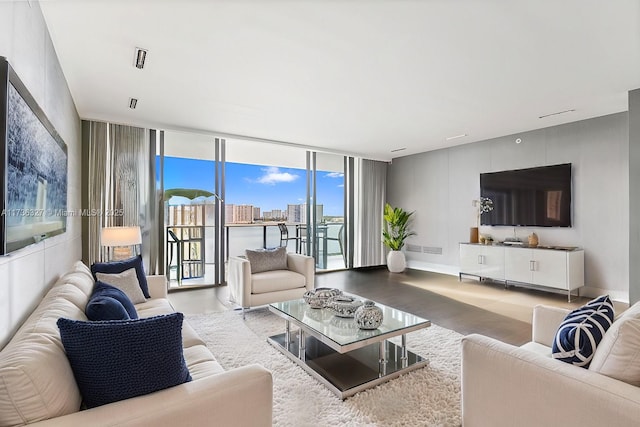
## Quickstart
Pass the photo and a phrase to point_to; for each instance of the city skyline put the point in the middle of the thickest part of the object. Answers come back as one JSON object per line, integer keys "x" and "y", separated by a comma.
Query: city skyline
{"x": 267, "y": 187}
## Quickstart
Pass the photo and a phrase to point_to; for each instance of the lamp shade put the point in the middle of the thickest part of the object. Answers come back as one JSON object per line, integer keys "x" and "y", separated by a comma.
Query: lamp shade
{"x": 121, "y": 236}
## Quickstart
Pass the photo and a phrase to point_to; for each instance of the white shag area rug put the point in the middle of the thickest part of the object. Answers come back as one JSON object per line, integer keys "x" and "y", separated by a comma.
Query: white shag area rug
{"x": 429, "y": 396}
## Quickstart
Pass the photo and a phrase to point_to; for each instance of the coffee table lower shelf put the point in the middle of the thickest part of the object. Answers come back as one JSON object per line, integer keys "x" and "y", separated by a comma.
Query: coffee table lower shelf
{"x": 346, "y": 374}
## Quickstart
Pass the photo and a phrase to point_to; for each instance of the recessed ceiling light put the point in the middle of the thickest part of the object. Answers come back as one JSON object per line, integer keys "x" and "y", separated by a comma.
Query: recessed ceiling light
{"x": 462, "y": 135}
{"x": 140, "y": 57}
{"x": 133, "y": 102}
{"x": 556, "y": 113}
{"x": 398, "y": 149}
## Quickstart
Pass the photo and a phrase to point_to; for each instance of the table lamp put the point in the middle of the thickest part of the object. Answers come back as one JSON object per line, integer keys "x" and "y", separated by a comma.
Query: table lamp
{"x": 121, "y": 239}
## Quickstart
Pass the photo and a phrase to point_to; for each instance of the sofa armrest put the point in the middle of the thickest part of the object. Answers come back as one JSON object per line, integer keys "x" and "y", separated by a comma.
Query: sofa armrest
{"x": 239, "y": 397}
{"x": 304, "y": 265}
{"x": 546, "y": 321}
{"x": 157, "y": 286}
{"x": 239, "y": 281}
{"x": 502, "y": 383}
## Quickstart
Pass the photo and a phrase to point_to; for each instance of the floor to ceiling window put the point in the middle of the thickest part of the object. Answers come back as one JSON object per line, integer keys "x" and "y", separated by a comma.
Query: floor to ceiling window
{"x": 260, "y": 191}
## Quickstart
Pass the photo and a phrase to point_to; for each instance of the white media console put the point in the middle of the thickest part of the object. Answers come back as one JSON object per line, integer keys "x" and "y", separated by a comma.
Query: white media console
{"x": 558, "y": 269}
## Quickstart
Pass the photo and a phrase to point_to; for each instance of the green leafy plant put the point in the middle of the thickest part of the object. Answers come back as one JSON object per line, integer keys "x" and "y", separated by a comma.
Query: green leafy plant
{"x": 396, "y": 227}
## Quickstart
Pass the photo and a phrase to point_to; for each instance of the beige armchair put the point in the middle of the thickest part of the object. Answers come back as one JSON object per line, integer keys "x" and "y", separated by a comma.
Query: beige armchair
{"x": 251, "y": 290}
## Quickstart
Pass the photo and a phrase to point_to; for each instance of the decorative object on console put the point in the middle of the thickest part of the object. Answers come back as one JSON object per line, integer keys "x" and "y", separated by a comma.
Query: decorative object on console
{"x": 319, "y": 297}
{"x": 121, "y": 240}
{"x": 533, "y": 240}
{"x": 582, "y": 330}
{"x": 369, "y": 316}
{"x": 343, "y": 305}
{"x": 482, "y": 205}
{"x": 394, "y": 233}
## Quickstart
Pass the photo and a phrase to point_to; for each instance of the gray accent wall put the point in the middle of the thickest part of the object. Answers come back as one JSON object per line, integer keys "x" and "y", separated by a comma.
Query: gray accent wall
{"x": 26, "y": 275}
{"x": 634, "y": 196}
{"x": 441, "y": 185}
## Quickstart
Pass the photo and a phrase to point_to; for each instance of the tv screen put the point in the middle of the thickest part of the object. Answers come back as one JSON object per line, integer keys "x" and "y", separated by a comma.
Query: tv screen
{"x": 538, "y": 196}
{"x": 33, "y": 180}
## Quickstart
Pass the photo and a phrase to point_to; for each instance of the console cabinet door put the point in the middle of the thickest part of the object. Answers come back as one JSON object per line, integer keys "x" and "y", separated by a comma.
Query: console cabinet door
{"x": 493, "y": 262}
{"x": 483, "y": 261}
{"x": 471, "y": 259}
{"x": 518, "y": 265}
{"x": 550, "y": 268}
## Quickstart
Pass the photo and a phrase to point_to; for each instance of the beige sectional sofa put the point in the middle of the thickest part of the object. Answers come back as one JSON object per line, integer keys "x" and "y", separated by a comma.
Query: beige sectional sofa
{"x": 37, "y": 385}
{"x": 504, "y": 385}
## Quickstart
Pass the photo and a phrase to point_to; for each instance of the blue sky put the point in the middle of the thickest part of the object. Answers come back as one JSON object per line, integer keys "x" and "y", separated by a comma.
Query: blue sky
{"x": 264, "y": 186}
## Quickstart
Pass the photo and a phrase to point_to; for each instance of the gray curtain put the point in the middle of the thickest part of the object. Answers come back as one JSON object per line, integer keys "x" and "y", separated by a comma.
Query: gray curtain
{"x": 371, "y": 186}
{"x": 119, "y": 185}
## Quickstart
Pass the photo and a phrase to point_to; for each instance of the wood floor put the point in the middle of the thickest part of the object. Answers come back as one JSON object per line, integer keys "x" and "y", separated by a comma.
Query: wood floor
{"x": 391, "y": 289}
{"x": 466, "y": 306}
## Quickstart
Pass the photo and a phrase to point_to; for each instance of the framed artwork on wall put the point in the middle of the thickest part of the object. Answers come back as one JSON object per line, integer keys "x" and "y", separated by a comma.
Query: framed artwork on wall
{"x": 33, "y": 180}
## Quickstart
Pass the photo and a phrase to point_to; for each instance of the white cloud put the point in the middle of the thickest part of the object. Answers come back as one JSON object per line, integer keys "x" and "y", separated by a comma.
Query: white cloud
{"x": 273, "y": 175}
{"x": 335, "y": 175}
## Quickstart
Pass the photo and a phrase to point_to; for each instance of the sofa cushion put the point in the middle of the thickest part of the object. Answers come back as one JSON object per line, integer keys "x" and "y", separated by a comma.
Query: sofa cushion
{"x": 582, "y": 330}
{"x": 120, "y": 266}
{"x": 117, "y": 360}
{"x": 126, "y": 281}
{"x": 277, "y": 280}
{"x": 267, "y": 259}
{"x": 105, "y": 290}
{"x": 618, "y": 355}
{"x": 36, "y": 380}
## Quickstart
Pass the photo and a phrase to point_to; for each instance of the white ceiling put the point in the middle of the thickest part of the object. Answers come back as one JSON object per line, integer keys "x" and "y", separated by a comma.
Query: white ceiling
{"x": 354, "y": 76}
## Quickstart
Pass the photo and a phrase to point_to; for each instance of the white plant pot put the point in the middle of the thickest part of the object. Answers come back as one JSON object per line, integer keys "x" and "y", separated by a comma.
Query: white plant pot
{"x": 396, "y": 262}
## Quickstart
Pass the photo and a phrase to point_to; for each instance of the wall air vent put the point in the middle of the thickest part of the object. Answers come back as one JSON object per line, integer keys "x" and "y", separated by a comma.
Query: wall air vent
{"x": 431, "y": 250}
{"x": 414, "y": 248}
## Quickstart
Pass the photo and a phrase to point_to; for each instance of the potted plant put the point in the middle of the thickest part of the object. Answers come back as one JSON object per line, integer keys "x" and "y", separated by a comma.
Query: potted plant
{"x": 482, "y": 205}
{"x": 394, "y": 233}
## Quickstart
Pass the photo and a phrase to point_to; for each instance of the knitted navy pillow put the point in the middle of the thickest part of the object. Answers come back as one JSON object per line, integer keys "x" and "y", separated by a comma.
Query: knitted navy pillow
{"x": 105, "y": 308}
{"x": 101, "y": 290}
{"x": 582, "y": 330}
{"x": 120, "y": 359}
{"x": 120, "y": 266}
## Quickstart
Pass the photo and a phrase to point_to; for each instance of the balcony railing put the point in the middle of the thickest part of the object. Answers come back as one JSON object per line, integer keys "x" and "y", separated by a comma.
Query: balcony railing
{"x": 194, "y": 262}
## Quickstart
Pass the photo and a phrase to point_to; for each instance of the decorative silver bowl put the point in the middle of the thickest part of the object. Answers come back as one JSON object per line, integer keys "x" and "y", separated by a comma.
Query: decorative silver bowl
{"x": 318, "y": 298}
{"x": 368, "y": 316}
{"x": 343, "y": 305}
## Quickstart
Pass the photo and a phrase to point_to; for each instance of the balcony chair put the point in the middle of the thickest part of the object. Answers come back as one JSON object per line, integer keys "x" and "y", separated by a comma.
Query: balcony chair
{"x": 269, "y": 276}
{"x": 340, "y": 240}
{"x": 284, "y": 236}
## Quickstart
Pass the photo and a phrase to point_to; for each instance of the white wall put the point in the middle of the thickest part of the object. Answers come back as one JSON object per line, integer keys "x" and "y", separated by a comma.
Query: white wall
{"x": 27, "y": 274}
{"x": 440, "y": 186}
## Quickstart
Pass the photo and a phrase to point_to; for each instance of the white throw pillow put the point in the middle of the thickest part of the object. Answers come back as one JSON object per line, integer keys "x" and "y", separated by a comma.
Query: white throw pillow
{"x": 618, "y": 354}
{"x": 127, "y": 282}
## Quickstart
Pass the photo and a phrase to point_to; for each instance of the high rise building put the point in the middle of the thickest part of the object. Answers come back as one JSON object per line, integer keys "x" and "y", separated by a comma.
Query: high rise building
{"x": 243, "y": 214}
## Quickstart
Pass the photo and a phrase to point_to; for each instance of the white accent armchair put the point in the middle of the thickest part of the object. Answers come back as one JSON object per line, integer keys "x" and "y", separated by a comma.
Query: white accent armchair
{"x": 251, "y": 290}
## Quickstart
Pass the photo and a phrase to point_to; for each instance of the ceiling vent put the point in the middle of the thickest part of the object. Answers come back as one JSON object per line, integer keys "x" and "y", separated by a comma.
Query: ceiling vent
{"x": 133, "y": 102}
{"x": 140, "y": 57}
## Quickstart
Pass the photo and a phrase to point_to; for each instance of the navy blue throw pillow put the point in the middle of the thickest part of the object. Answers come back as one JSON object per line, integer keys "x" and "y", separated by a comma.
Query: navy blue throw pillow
{"x": 102, "y": 289}
{"x": 582, "y": 330}
{"x": 105, "y": 308}
{"x": 120, "y": 266}
{"x": 120, "y": 359}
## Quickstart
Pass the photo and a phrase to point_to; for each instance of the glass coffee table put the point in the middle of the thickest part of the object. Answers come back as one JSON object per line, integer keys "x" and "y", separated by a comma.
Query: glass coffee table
{"x": 343, "y": 357}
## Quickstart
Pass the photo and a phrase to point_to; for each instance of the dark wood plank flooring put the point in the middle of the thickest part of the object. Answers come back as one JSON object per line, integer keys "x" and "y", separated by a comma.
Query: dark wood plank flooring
{"x": 379, "y": 285}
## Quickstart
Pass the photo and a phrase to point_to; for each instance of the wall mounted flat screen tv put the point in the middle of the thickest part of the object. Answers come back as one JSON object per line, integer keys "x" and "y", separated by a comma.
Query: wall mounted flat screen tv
{"x": 538, "y": 196}
{"x": 33, "y": 178}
